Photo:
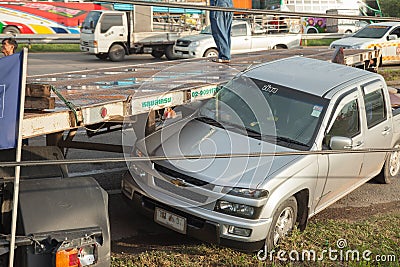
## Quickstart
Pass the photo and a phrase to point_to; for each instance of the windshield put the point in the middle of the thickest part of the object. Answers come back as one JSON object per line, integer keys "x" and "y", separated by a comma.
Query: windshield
{"x": 206, "y": 30}
{"x": 372, "y": 31}
{"x": 91, "y": 20}
{"x": 266, "y": 111}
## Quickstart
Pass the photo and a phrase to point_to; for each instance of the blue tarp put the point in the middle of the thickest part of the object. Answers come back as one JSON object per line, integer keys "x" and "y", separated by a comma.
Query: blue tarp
{"x": 10, "y": 91}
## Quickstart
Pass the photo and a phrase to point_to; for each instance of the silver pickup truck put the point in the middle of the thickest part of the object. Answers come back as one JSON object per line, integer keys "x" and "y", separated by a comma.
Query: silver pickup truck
{"x": 246, "y": 37}
{"x": 243, "y": 195}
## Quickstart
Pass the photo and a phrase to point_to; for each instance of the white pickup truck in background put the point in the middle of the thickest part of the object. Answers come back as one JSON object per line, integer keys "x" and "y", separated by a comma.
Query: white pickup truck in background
{"x": 246, "y": 37}
{"x": 384, "y": 35}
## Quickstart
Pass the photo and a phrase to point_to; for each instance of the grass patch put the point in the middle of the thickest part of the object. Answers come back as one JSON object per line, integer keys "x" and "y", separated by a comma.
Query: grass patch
{"x": 40, "y": 48}
{"x": 379, "y": 234}
{"x": 390, "y": 74}
{"x": 318, "y": 42}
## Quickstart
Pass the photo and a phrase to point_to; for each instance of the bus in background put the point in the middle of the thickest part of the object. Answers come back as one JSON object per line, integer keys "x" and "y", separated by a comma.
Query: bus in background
{"x": 44, "y": 17}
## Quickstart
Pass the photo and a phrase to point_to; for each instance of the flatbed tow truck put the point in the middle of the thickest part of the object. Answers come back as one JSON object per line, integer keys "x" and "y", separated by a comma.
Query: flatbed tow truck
{"x": 100, "y": 101}
{"x": 109, "y": 95}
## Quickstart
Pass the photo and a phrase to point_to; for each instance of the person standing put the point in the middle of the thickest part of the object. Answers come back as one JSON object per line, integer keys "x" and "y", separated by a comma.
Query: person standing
{"x": 8, "y": 46}
{"x": 221, "y": 26}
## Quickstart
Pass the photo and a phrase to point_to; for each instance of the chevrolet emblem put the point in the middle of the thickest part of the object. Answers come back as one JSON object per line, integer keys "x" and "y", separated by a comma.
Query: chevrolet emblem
{"x": 178, "y": 182}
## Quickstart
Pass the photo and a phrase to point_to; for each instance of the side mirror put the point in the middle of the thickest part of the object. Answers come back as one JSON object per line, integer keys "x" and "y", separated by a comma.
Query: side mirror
{"x": 392, "y": 37}
{"x": 340, "y": 143}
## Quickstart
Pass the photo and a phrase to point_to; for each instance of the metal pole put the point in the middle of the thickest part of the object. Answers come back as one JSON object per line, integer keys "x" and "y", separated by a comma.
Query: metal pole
{"x": 18, "y": 158}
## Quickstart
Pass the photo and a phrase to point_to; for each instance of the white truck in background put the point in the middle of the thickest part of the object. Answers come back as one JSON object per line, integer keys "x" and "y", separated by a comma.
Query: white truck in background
{"x": 383, "y": 35}
{"x": 246, "y": 37}
{"x": 114, "y": 34}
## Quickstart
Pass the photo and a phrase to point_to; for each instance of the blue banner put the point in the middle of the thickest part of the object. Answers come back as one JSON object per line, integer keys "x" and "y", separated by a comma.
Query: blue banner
{"x": 10, "y": 91}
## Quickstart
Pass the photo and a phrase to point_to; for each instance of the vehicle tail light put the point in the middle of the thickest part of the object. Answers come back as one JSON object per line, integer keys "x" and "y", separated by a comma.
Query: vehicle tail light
{"x": 67, "y": 258}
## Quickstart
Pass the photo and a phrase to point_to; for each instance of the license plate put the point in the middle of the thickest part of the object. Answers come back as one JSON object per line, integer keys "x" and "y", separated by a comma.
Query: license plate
{"x": 170, "y": 220}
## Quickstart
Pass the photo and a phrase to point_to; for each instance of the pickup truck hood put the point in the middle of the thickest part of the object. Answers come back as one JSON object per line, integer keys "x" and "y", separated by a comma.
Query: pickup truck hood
{"x": 198, "y": 138}
{"x": 197, "y": 37}
{"x": 353, "y": 41}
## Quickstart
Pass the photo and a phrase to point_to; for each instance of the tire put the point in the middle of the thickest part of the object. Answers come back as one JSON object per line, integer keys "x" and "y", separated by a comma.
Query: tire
{"x": 169, "y": 52}
{"x": 312, "y": 31}
{"x": 102, "y": 56}
{"x": 391, "y": 168}
{"x": 279, "y": 47}
{"x": 283, "y": 222}
{"x": 116, "y": 53}
{"x": 11, "y": 30}
{"x": 157, "y": 53}
{"x": 211, "y": 52}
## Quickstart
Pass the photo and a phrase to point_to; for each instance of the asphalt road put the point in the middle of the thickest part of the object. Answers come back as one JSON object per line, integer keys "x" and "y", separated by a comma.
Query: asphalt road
{"x": 126, "y": 222}
{"x": 44, "y": 63}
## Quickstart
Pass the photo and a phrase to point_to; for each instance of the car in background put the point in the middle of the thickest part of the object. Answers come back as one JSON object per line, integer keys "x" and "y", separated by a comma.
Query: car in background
{"x": 351, "y": 27}
{"x": 384, "y": 36}
{"x": 246, "y": 37}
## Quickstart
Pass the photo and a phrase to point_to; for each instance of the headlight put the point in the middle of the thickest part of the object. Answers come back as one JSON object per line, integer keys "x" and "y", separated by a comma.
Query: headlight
{"x": 193, "y": 44}
{"x": 235, "y": 209}
{"x": 245, "y": 192}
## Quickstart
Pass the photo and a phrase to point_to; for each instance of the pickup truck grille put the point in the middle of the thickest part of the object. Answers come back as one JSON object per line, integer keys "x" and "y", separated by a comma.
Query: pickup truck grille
{"x": 175, "y": 174}
{"x": 182, "y": 43}
{"x": 85, "y": 43}
{"x": 180, "y": 191}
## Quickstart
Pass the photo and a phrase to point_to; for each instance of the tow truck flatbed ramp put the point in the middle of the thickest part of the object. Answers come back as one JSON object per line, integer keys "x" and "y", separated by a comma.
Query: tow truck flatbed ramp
{"x": 110, "y": 94}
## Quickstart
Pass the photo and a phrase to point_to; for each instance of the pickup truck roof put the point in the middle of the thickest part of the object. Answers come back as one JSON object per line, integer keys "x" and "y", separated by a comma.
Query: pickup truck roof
{"x": 386, "y": 23}
{"x": 281, "y": 72}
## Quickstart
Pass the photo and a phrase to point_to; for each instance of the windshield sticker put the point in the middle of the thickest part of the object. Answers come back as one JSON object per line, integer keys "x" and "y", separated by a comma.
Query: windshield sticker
{"x": 316, "y": 111}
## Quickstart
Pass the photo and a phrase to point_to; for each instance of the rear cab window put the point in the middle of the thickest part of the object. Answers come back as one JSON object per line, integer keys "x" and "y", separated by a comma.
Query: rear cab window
{"x": 375, "y": 105}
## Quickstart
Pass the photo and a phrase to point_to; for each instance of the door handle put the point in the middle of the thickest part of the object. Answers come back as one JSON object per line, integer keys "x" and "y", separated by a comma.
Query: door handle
{"x": 386, "y": 130}
{"x": 121, "y": 34}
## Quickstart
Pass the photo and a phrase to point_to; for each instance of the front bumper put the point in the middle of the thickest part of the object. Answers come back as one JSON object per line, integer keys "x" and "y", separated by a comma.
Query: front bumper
{"x": 91, "y": 50}
{"x": 200, "y": 224}
{"x": 186, "y": 52}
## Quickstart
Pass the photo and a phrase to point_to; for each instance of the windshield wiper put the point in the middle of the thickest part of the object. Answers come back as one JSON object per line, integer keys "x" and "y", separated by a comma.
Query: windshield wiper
{"x": 290, "y": 141}
{"x": 258, "y": 135}
{"x": 209, "y": 120}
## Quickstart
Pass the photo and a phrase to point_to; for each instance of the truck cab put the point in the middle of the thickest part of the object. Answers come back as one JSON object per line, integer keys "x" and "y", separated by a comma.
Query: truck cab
{"x": 105, "y": 34}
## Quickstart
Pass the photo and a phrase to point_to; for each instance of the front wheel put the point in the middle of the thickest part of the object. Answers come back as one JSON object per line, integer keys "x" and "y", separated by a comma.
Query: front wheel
{"x": 116, "y": 53}
{"x": 283, "y": 222}
{"x": 157, "y": 53}
{"x": 169, "y": 52}
{"x": 11, "y": 30}
{"x": 391, "y": 168}
{"x": 211, "y": 53}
